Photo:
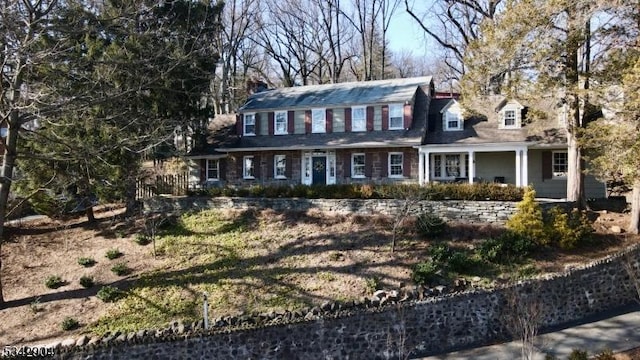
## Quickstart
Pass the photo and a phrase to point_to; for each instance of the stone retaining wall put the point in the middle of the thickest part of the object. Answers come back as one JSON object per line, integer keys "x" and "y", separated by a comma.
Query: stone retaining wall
{"x": 414, "y": 322}
{"x": 495, "y": 212}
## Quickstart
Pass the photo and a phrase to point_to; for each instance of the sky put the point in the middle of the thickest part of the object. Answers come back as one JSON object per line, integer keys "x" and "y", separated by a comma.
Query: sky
{"x": 406, "y": 34}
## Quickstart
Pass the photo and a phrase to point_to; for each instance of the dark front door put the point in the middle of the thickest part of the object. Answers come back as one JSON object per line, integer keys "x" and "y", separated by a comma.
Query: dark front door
{"x": 319, "y": 172}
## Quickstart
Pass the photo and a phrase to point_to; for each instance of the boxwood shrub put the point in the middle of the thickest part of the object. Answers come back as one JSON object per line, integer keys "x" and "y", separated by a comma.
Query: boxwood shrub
{"x": 436, "y": 191}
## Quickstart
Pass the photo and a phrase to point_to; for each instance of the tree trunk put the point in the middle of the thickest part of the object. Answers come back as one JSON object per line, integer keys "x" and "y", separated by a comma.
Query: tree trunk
{"x": 634, "y": 223}
{"x": 90, "y": 216}
{"x": 575, "y": 188}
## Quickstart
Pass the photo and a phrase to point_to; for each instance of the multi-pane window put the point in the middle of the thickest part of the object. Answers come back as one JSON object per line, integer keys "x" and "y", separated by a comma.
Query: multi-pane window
{"x": 396, "y": 116}
{"x": 509, "y": 118}
{"x": 452, "y": 121}
{"x": 249, "y": 124}
{"x": 357, "y": 166}
{"x": 452, "y": 165}
{"x": 279, "y": 166}
{"x": 560, "y": 164}
{"x": 213, "y": 169}
{"x": 248, "y": 167}
{"x": 280, "y": 123}
{"x": 318, "y": 121}
{"x": 395, "y": 164}
{"x": 358, "y": 119}
{"x": 437, "y": 166}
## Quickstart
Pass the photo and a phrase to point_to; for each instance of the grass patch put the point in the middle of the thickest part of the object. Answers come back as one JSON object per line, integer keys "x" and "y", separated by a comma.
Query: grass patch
{"x": 112, "y": 254}
{"x": 86, "y": 261}
{"x": 54, "y": 282}
{"x": 121, "y": 269}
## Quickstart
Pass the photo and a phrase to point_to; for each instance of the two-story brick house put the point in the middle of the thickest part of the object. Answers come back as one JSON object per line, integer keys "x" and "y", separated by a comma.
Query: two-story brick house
{"x": 389, "y": 131}
{"x": 327, "y": 134}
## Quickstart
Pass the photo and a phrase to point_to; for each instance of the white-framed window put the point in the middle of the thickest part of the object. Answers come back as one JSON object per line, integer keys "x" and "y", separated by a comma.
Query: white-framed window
{"x": 396, "y": 117}
{"x": 396, "y": 162}
{"x": 280, "y": 123}
{"x": 280, "y": 166}
{"x": 248, "y": 167}
{"x": 509, "y": 118}
{"x": 357, "y": 166}
{"x": 249, "y": 124}
{"x": 453, "y": 121}
{"x": 449, "y": 166}
{"x": 318, "y": 121}
{"x": 560, "y": 164}
{"x": 358, "y": 118}
{"x": 213, "y": 170}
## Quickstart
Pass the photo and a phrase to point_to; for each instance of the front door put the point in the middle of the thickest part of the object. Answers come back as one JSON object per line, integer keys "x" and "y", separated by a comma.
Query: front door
{"x": 319, "y": 170}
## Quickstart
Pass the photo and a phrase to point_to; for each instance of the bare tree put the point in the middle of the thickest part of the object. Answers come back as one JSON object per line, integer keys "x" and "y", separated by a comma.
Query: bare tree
{"x": 522, "y": 316}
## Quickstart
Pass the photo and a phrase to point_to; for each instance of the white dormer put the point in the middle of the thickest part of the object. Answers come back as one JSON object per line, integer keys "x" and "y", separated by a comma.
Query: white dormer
{"x": 510, "y": 114}
{"x": 452, "y": 119}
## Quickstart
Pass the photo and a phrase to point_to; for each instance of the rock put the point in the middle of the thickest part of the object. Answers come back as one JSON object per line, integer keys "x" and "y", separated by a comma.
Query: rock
{"x": 616, "y": 229}
{"x": 94, "y": 340}
{"x": 131, "y": 336}
{"x": 121, "y": 338}
{"x": 68, "y": 342}
{"x": 141, "y": 334}
{"x": 326, "y": 306}
{"x": 82, "y": 340}
{"x": 315, "y": 310}
{"x": 393, "y": 295}
{"x": 440, "y": 289}
{"x": 309, "y": 316}
{"x": 384, "y": 301}
{"x": 375, "y": 302}
{"x": 55, "y": 345}
{"x": 380, "y": 294}
{"x": 476, "y": 279}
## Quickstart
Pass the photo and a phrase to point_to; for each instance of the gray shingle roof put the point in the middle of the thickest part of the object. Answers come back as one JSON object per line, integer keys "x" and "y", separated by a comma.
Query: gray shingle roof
{"x": 482, "y": 127}
{"x": 337, "y": 95}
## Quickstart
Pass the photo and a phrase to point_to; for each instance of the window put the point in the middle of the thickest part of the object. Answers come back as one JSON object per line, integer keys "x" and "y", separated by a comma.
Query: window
{"x": 395, "y": 164}
{"x": 452, "y": 165}
{"x": 279, "y": 166}
{"x": 249, "y": 124}
{"x": 248, "y": 168}
{"x": 357, "y": 166}
{"x": 509, "y": 118}
{"x": 396, "y": 117}
{"x": 452, "y": 121}
{"x": 358, "y": 119}
{"x": 437, "y": 166}
{"x": 318, "y": 121}
{"x": 280, "y": 123}
{"x": 213, "y": 170}
{"x": 560, "y": 164}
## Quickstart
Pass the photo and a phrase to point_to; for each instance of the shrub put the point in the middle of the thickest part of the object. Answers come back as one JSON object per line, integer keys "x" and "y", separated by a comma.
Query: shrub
{"x": 54, "y": 282}
{"x": 86, "y": 282}
{"x": 429, "y": 225}
{"x": 120, "y": 269}
{"x": 569, "y": 230}
{"x": 113, "y": 254}
{"x": 109, "y": 294}
{"x": 425, "y": 273}
{"x": 69, "y": 324}
{"x": 528, "y": 222}
{"x": 86, "y": 261}
{"x": 606, "y": 354}
{"x": 440, "y": 253}
{"x": 460, "y": 262}
{"x": 578, "y": 355}
{"x": 373, "y": 284}
{"x": 141, "y": 239}
{"x": 506, "y": 248}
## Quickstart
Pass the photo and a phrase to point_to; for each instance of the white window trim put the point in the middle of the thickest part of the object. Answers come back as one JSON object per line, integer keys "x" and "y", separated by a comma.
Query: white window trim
{"x": 217, "y": 162}
{"x": 401, "y": 165}
{"x": 364, "y": 119}
{"x": 244, "y": 124}
{"x": 446, "y": 121}
{"x": 515, "y": 118}
{"x": 275, "y": 122}
{"x": 324, "y": 117}
{"x": 244, "y": 167}
{"x": 553, "y": 158}
{"x": 275, "y": 166}
{"x": 443, "y": 166}
{"x": 401, "y": 127}
{"x": 353, "y": 166}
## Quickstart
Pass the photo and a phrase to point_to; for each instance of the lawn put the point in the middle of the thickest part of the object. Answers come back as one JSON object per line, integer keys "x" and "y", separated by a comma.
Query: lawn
{"x": 247, "y": 262}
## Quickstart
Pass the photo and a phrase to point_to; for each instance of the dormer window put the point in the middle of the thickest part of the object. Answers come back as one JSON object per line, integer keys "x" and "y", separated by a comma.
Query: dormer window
{"x": 396, "y": 117}
{"x": 249, "y": 124}
{"x": 452, "y": 116}
{"x": 358, "y": 119}
{"x": 509, "y": 118}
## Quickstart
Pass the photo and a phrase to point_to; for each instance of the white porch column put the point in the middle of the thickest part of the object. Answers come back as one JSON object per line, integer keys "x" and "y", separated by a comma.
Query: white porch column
{"x": 518, "y": 168}
{"x": 472, "y": 166}
{"x": 420, "y": 167}
{"x": 427, "y": 167}
{"x": 525, "y": 167}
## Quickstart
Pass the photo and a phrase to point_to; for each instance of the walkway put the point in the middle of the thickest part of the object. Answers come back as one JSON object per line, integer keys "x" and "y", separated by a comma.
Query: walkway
{"x": 618, "y": 332}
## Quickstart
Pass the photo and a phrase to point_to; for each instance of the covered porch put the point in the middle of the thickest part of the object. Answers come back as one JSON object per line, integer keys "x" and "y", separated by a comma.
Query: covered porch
{"x": 502, "y": 163}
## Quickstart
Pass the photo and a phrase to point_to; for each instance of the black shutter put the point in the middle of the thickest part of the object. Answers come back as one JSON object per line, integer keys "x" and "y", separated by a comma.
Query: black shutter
{"x": 547, "y": 165}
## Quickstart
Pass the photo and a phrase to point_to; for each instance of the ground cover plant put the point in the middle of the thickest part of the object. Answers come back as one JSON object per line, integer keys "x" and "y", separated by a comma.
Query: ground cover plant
{"x": 251, "y": 261}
